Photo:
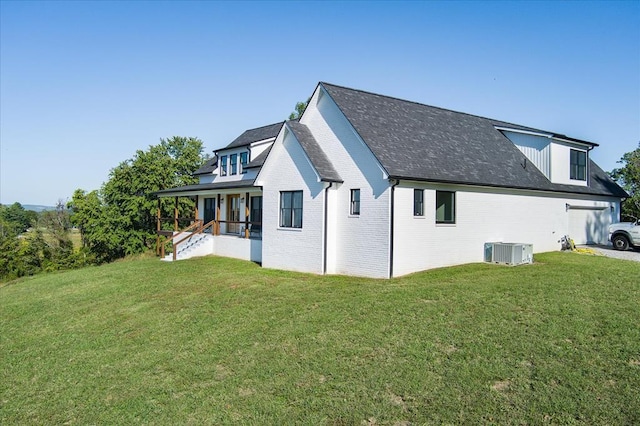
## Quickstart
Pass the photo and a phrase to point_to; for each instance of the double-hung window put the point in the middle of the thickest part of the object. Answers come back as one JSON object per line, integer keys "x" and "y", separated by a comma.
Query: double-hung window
{"x": 418, "y": 202}
{"x": 291, "y": 209}
{"x": 223, "y": 165}
{"x": 234, "y": 164}
{"x": 578, "y": 165}
{"x": 354, "y": 208}
{"x": 445, "y": 207}
{"x": 244, "y": 159}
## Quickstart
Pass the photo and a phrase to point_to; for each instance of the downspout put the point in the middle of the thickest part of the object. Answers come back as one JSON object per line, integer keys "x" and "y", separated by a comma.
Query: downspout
{"x": 326, "y": 223}
{"x": 391, "y": 227}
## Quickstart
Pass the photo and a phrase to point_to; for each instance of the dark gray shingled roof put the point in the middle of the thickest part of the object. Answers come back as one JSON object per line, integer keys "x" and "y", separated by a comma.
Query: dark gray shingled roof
{"x": 419, "y": 142}
{"x": 255, "y": 135}
{"x": 207, "y": 186}
{"x": 207, "y": 167}
{"x": 316, "y": 155}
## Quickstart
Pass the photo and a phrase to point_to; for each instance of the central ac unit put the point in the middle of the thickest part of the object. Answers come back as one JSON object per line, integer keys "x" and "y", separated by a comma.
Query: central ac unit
{"x": 508, "y": 253}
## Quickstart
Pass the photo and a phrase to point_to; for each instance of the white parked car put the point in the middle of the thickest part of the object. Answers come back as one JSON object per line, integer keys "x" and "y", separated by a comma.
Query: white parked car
{"x": 624, "y": 235}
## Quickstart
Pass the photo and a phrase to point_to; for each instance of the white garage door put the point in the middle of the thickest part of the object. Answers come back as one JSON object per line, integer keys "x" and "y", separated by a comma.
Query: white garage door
{"x": 588, "y": 226}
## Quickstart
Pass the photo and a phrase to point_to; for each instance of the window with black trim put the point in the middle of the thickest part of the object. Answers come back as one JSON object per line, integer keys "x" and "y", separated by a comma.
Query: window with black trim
{"x": 354, "y": 208}
{"x": 418, "y": 202}
{"x": 445, "y": 207}
{"x": 223, "y": 165}
{"x": 578, "y": 164}
{"x": 234, "y": 164}
{"x": 244, "y": 159}
{"x": 291, "y": 209}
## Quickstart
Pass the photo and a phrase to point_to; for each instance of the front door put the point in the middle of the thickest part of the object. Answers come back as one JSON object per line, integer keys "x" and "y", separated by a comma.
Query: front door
{"x": 233, "y": 214}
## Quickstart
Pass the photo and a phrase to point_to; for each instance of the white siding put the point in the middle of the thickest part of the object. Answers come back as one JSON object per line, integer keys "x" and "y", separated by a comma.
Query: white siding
{"x": 560, "y": 164}
{"x": 482, "y": 215}
{"x": 287, "y": 169}
{"x": 358, "y": 245}
{"x": 535, "y": 148}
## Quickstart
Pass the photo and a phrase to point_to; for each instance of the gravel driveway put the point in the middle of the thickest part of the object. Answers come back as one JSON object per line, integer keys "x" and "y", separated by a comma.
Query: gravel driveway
{"x": 610, "y": 252}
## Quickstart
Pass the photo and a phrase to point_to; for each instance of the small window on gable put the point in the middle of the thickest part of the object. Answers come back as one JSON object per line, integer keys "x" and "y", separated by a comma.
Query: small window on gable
{"x": 244, "y": 159}
{"x": 418, "y": 202}
{"x": 223, "y": 165}
{"x": 445, "y": 207}
{"x": 578, "y": 165}
{"x": 355, "y": 202}
{"x": 234, "y": 164}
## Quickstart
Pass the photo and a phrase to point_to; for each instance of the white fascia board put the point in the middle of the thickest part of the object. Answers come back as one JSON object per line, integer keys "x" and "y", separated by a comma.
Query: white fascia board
{"x": 585, "y": 146}
{"x": 261, "y": 142}
{"x": 265, "y": 165}
{"x": 385, "y": 174}
{"x": 306, "y": 157}
{"x": 526, "y": 132}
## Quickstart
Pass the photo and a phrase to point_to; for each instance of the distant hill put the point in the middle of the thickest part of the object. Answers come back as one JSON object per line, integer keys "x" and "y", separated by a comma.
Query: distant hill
{"x": 37, "y": 208}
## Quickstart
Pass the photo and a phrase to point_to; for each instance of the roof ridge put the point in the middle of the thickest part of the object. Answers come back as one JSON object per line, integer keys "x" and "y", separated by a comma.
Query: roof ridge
{"x": 262, "y": 127}
{"x": 493, "y": 120}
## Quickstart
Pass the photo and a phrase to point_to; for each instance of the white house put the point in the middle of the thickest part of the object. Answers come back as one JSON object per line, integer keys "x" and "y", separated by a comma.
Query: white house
{"x": 369, "y": 185}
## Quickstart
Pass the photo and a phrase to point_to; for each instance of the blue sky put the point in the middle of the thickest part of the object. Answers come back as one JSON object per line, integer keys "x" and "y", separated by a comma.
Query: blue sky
{"x": 83, "y": 85}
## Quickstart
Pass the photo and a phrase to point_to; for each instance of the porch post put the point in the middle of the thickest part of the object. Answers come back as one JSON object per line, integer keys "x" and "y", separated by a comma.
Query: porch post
{"x": 196, "y": 209}
{"x": 158, "y": 229}
{"x": 175, "y": 215}
{"x": 246, "y": 215}
{"x": 218, "y": 216}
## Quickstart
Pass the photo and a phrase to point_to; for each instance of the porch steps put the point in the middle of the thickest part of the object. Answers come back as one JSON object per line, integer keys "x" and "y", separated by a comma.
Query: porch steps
{"x": 197, "y": 245}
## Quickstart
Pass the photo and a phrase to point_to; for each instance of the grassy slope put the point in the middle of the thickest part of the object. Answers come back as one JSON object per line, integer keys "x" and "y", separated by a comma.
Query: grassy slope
{"x": 216, "y": 340}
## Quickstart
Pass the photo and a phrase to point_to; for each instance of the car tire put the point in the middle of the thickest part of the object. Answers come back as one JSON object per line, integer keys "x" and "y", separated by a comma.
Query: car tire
{"x": 620, "y": 242}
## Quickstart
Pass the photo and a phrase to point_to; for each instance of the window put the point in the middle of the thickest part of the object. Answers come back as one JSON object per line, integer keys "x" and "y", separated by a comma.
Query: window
{"x": 234, "y": 164}
{"x": 255, "y": 227}
{"x": 445, "y": 207}
{"x": 223, "y": 165}
{"x": 355, "y": 202}
{"x": 244, "y": 159}
{"x": 418, "y": 202}
{"x": 291, "y": 209}
{"x": 256, "y": 209}
{"x": 578, "y": 165}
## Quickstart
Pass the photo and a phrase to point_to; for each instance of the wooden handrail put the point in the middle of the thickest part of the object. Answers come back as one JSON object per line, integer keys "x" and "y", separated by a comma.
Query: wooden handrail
{"x": 214, "y": 224}
{"x": 193, "y": 225}
{"x": 199, "y": 231}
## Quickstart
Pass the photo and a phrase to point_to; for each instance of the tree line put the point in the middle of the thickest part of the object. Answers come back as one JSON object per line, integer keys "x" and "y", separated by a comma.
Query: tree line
{"x": 117, "y": 220}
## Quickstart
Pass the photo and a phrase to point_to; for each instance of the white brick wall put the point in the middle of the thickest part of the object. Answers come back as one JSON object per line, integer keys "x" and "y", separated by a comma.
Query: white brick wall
{"x": 482, "y": 215}
{"x": 287, "y": 169}
{"x": 357, "y": 245}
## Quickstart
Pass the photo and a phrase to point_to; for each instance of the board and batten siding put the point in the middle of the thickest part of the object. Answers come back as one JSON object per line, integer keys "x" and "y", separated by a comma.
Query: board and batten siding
{"x": 483, "y": 215}
{"x": 537, "y": 149}
{"x": 288, "y": 169}
{"x": 357, "y": 245}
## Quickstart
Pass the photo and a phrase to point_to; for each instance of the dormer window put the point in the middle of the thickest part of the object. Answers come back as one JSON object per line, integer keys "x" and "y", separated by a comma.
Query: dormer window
{"x": 244, "y": 159}
{"x": 578, "y": 165}
{"x": 223, "y": 165}
{"x": 234, "y": 164}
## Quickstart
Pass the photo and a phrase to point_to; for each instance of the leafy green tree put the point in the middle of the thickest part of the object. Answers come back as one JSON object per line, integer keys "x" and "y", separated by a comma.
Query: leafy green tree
{"x": 121, "y": 218}
{"x": 628, "y": 176}
{"x": 299, "y": 110}
{"x": 15, "y": 219}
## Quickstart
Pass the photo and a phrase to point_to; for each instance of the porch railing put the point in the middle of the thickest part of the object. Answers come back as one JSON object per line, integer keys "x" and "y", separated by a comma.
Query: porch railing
{"x": 162, "y": 244}
{"x": 250, "y": 230}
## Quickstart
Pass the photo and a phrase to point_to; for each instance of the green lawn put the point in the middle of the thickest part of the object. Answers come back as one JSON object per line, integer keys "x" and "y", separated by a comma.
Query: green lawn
{"x": 215, "y": 341}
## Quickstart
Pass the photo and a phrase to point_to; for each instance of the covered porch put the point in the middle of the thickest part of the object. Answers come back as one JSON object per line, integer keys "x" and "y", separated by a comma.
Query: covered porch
{"x": 226, "y": 221}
